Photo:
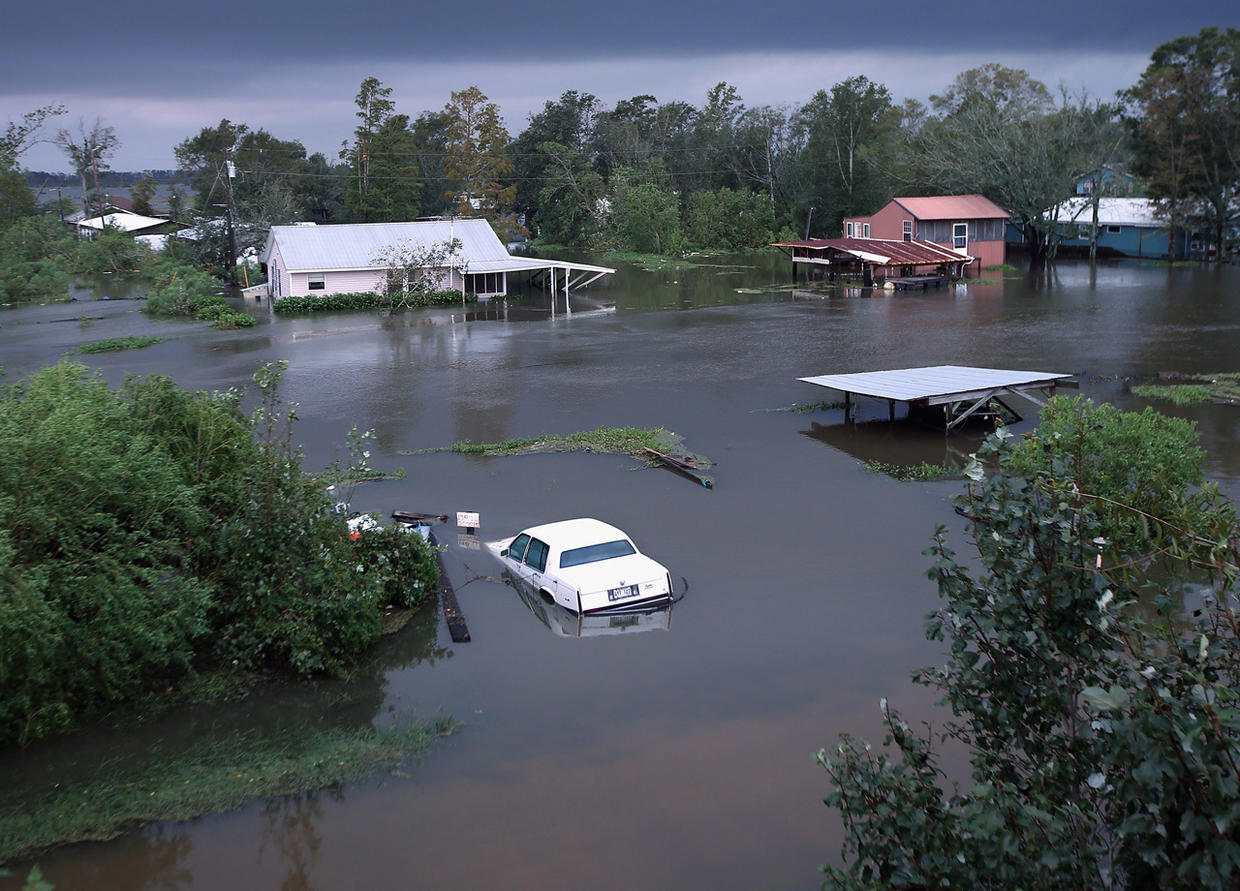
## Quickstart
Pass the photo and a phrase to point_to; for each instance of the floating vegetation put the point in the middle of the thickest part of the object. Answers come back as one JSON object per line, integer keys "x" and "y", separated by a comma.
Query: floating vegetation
{"x": 980, "y": 281}
{"x": 116, "y": 344}
{"x": 648, "y": 262}
{"x": 1001, "y": 267}
{"x": 807, "y": 407}
{"x": 923, "y": 472}
{"x": 605, "y": 440}
{"x": 1195, "y": 389}
{"x": 217, "y": 775}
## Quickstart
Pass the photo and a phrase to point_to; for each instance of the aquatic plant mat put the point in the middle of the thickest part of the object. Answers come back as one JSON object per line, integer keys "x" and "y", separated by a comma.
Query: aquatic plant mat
{"x": 216, "y": 775}
{"x": 1194, "y": 389}
{"x": 923, "y": 472}
{"x": 630, "y": 441}
{"x": 116, "y": 344}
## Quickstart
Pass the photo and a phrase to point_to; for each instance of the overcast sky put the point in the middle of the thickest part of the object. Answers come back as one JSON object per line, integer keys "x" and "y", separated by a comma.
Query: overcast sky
{"x": 159, "y": 73}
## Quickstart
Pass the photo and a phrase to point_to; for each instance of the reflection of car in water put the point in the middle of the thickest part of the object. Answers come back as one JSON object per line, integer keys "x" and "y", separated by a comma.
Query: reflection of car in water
{"x": 586, "y": 566}
{"x": 566, "y": 623}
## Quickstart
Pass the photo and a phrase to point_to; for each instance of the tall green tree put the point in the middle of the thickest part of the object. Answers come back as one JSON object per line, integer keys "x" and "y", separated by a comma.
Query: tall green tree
{"x": 392, "y": 174}
{"x": 570, "y": 199}
{"x": 1186, "y": 130}
{"x": 430, "y": 139}
{"x": 567, "y": 122}
{"x": 384, "y": 185}
{"x": 998, "y": 132}
{"x": 477, "y": 163}
{"x": 840, "y": 132}
{"x": 645, "y": 211}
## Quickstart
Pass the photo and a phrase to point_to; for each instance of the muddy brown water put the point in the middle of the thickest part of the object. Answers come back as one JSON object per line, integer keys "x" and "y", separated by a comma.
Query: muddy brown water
{"x": 674, "y": 754}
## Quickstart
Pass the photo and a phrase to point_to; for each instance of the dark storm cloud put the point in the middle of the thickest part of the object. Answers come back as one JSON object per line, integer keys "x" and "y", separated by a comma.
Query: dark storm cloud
{"x": 187, "y": 49}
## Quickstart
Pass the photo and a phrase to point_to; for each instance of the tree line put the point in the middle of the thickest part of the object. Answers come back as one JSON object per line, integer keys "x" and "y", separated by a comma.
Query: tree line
{"x": 665, "y": 177}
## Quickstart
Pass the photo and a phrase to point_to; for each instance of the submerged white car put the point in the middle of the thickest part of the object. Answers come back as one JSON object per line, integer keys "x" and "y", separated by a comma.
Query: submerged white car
{"x": 585, "y": 565}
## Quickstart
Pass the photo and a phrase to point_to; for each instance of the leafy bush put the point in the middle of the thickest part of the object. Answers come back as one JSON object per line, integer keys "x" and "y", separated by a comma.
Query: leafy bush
{"x": 33, "y": 253}
{"x": 1104, "y": 747}
{"x": 109, "y": 251}
{"x": 1134, "y": 458}
{"x": 175, "y": 290}
{"x": 150, "y": 533}
{"x": 363, "y": 300}
{"x": 727, "y": 220}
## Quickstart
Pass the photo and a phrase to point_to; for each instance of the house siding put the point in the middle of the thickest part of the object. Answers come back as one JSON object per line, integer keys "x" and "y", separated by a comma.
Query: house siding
{"x": 986, "y": 236}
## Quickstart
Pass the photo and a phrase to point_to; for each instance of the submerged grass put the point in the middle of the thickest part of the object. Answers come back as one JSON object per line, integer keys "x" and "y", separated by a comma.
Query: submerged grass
{"x": 1195, "y": 389}
{"x": 604, "y": 440}
{"x": 807, "y": 407}
{"x": 213, "y": 776}
{"x": 923, "y": 472}
{"x": 116, "y": 344}
{"x": 648, "y": 262}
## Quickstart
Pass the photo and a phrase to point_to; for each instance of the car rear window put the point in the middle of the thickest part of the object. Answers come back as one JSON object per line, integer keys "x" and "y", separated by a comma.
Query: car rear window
{"x": 595, "y": 552}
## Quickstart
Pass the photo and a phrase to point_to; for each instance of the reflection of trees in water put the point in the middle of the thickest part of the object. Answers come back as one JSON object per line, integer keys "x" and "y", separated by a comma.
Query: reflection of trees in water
{"x": 153, "y": 858}
{"x": 291, "y": 826}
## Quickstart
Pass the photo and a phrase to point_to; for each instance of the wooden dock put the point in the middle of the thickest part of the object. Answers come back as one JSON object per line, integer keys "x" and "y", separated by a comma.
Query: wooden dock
{"x": 961, "y": 390}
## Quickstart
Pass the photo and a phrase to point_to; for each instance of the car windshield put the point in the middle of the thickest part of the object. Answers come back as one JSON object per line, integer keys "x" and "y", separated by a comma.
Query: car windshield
{"x": 595, "y": 552}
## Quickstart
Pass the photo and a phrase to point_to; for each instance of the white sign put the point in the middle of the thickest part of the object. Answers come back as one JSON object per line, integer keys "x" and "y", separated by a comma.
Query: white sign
{"x": 466, "y": 540}
{"x": 467, "y": 519}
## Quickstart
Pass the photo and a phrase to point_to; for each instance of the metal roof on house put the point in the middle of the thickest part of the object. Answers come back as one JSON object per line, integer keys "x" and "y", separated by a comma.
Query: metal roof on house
{"x": 884, "y": 251}
{"x": 1140, "y": 212}
{"x": 311, "y": 248}
{"x": 936, "y": 383}
{"x": 125, "y": 222}
{"x": 952, "y": 207}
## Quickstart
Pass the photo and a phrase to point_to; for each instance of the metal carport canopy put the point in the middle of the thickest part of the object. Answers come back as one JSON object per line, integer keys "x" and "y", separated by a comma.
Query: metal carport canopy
{"x": 937, "y": 384}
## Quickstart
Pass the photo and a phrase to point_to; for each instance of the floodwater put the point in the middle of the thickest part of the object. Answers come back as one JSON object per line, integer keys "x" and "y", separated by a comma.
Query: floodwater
{"x": 667, "y": 754}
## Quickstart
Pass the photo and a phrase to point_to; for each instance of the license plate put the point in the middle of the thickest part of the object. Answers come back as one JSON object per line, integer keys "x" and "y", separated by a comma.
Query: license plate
{"x": 622, "y": 593}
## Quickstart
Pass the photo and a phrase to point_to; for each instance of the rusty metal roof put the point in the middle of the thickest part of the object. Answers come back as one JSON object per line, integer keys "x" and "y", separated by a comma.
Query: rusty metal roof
{"x": 883, "y": 251}
{"x": 952, "y": 207}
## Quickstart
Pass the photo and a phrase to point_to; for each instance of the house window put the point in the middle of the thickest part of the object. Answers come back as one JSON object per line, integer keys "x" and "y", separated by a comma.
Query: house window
{"x": 960, "y": 236}
{"x": 908, "y": 230}
{"x": 848, "y": 230}
{"x": 316, "y": 281}
{"x": 865, "y": 231}
{"x": 1113, "y": 230}
{"x": 485, "y": 283}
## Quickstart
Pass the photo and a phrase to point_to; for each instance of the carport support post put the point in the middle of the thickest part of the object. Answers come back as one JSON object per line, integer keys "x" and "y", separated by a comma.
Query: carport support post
{"x": 568, "y": 310}
{"x": 847, "y": 405}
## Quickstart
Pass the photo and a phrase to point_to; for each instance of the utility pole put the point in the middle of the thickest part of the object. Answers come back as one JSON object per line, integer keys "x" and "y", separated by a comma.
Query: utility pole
{"x": 232, "y": 235}
{"x": 94, "y": 166}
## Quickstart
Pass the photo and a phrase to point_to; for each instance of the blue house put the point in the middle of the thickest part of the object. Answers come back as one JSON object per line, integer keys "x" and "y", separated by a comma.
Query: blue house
{"x": 1127, "y": 227}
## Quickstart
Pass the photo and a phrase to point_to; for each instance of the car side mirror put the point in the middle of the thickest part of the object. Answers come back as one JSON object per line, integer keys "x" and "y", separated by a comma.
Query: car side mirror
{"x": 504, "y": 552}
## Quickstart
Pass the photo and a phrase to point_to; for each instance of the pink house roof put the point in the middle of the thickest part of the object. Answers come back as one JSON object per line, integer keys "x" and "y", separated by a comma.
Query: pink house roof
{"x": 952, "y": 207}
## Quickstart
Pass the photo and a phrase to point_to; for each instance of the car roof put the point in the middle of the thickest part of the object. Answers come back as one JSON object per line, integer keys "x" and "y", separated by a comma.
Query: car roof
{"x": 577, "y": 533}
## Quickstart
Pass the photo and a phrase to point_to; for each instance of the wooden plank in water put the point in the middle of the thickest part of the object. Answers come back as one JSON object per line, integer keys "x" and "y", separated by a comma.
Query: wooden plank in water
{"x": 451, "y": 608}
{"x": 409, "y": 516}
{"x": 685, "y": 468}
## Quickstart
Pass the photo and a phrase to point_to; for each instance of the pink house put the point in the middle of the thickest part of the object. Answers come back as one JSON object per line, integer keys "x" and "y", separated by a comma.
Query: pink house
{"x": 971, "y": 224}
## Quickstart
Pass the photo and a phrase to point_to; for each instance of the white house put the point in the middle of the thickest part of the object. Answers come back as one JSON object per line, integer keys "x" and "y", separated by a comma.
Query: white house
{"x": 308, "y": 259}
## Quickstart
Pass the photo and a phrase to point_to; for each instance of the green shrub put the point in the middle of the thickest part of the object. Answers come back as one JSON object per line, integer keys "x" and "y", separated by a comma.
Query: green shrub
{"x": 179, "y": 290}
{"x": 363, "y": 300}
{"x": 150, "y": 533}
{"x": 116, "y": 344}
{"x": 33, "y": 253}
{"x": 1136, "y": 458}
